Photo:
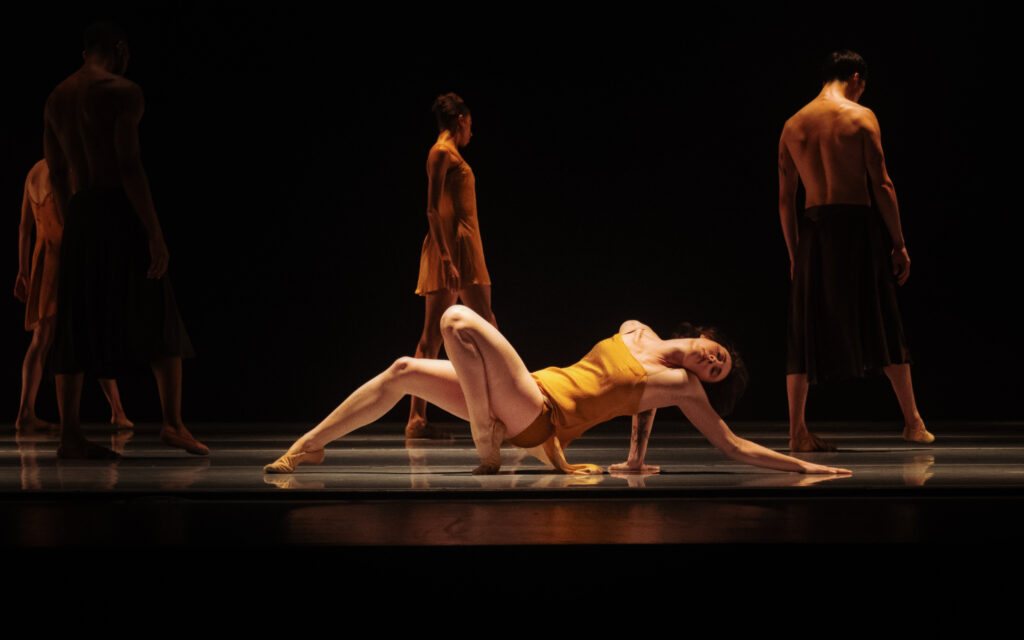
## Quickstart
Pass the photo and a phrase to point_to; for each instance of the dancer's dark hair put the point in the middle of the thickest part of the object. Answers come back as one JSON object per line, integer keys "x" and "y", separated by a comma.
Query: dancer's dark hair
{"x": 447, "y": 109}
{"x": 724, "y": 394}
{"x": 102, "y": 37}
{"x": 840, "y": 65}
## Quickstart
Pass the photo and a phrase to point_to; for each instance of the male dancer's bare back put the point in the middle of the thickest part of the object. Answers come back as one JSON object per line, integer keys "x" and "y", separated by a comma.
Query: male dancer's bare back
{"x": 834, "y": 146}
{"x": 91, "y": 142}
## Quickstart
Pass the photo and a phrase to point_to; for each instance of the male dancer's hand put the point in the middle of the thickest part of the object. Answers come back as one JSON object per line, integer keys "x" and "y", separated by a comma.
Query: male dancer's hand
{"x": 901, "y": 265}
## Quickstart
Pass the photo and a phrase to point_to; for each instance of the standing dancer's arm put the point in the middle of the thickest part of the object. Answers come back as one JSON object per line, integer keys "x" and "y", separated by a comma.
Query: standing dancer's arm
{"x": 438, "y": 162}
{"x": 24, "y": 248}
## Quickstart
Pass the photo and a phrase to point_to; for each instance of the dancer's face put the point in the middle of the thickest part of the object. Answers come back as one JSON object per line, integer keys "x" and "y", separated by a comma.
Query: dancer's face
{"x": 709, "y": 360}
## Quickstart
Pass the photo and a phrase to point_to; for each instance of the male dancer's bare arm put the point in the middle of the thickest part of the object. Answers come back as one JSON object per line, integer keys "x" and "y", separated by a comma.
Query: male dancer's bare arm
{"x": 133, "y": 176}
{"x": 642, "y": 424}
{"x": 788, "y": 181}
{"x": 885, "y": 194}
{"x": 57, "y": 164}
{"x": 24, "y": 248}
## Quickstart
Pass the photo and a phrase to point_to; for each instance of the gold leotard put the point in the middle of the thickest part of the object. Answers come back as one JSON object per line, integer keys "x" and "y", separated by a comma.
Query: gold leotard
{"x": 607, "y": 382}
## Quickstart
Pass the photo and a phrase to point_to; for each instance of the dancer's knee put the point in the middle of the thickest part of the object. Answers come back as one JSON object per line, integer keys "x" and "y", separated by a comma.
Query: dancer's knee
{"x": 457, "y": 320}
{"x": 401, "y": 367}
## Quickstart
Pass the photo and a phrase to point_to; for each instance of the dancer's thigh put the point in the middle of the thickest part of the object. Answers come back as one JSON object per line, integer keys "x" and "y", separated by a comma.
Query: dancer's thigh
{"x": 436, "y": 382}
{"x": 512, "y": 393}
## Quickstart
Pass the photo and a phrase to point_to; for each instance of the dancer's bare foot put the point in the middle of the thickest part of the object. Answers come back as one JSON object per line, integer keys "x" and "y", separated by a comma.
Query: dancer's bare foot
{"x": 181, "y": 438}
{"x": 82, "y": 449}
{"x": 917, "y": 433}
{"x": 121, "y": 421}
{"x": 486, "y": 470}
{"x": 807, "y": 441}
{"x": 419, "y": 428}
{"x": 293, "y": 458}
{"x": 33, "y": 423}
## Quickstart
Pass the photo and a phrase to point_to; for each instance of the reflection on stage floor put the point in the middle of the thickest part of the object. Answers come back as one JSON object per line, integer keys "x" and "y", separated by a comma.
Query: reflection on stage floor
{"x": 377, "y": 488}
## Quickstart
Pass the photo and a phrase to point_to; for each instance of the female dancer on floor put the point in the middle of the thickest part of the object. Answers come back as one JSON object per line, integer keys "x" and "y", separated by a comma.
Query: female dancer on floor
{"x": 452, "y": 263}
{"x": 632, "y": 373}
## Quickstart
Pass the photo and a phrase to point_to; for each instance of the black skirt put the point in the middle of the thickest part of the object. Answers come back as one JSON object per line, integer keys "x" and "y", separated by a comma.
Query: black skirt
{"x": 110, "y": 316}
{"x": 844, "y": 320}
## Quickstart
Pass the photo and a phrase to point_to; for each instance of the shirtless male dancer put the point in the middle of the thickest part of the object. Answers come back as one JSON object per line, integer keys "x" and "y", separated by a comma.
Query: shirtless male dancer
{"x": 112, "y": 309}
{"x": 845, "y": 256}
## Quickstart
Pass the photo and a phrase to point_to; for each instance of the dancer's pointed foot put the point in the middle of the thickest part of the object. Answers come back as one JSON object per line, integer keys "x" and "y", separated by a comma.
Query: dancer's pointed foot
{"x": 82, "y": 449}
{"x": 121, "y": 421}
{"x": 807, "y": 441}
{"x": 181, "y": 438}
{"x": 288, "y": 462}
{"x": 917, "y": 433}
{"x": 419, "y": 428}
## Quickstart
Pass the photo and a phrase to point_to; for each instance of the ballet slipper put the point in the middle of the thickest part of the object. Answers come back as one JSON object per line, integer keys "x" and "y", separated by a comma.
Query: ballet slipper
{"x": 917, "y": 433}
{"x": 288, "y": 462}
{"x": 184, "y": 441}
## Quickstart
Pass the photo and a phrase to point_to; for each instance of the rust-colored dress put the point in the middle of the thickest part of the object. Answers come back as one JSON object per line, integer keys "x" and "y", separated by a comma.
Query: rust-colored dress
{"x": 42, "y": 285}
{"x": 459, "y": 224}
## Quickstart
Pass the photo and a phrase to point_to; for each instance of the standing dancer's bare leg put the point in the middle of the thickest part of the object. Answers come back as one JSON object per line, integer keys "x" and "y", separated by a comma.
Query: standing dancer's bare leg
{"x": 913, "y": 426}
{"x": 433, "y": 380}
{"x": 501, "y": 396}
{"x": 428, "y": 347}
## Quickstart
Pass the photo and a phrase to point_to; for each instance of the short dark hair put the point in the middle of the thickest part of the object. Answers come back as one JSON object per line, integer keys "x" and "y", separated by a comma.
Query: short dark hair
{"x": 102, "y": 37}
{"x": 724, "y": 394}
{"x": 447, "y": 109}
{"x": 840, "y": 65}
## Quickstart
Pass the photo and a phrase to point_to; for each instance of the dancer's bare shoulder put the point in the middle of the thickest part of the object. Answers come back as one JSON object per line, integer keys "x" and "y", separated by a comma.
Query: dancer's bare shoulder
{"x": 671, "y": 388}
{"x": 635, "y": 327}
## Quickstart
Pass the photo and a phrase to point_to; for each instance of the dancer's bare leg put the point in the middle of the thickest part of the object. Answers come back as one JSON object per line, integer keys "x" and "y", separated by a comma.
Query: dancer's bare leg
{"x": 117, "y": 414}
{"x": 433, "y": 380}
{"x": 73, "y": 444}
{"x": 478, "y": 298}
{"x": 428, "y": 347}
{"x": 167, "y": 372}
{"x": 501, "y": 395}
{"x": 32, "y": 375}
{"x": 913, "y": 426}
{"x": 800, "y": 439}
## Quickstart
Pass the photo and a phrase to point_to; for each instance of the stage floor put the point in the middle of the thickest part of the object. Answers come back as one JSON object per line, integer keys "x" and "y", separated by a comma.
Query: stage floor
{"x": 378, "y": 489}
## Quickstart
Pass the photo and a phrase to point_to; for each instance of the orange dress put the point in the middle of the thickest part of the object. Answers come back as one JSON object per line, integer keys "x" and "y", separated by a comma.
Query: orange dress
{"x": 42, "y": 286}
{"x": 457, "y": 211}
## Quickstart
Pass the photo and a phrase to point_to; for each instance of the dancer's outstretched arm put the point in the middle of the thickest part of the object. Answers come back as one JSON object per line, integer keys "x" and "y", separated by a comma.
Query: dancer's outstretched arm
{"x": 698, "y": 410}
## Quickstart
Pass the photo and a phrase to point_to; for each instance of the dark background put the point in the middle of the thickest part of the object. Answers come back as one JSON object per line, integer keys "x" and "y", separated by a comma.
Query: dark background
{"x": 625, "y": 165}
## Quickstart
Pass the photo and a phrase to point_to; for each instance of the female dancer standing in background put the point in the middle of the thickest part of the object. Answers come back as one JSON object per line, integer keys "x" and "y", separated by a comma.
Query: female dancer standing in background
{"x": 452, "y": 266}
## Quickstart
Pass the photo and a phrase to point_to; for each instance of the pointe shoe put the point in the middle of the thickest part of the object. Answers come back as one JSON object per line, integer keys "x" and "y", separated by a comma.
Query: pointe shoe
{"x": 288, "y": 462}
{"x": 186, "y": 442}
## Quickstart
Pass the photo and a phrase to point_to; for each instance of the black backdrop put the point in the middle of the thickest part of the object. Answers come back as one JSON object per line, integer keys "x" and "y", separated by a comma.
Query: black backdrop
{"x": 625, "y": 168}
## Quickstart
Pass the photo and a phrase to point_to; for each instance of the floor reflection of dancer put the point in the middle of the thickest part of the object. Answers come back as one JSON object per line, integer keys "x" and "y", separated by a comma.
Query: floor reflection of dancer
{"x": 452, "y": 263}
{"x": 115, "y": 304}
{"x": 846, "y": 257}
{"x": 36, "y": 286}
{"x": 632, "y": 373}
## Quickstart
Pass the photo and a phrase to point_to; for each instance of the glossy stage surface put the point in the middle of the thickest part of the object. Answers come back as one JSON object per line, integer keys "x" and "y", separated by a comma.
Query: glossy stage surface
{"x": 378, "y": 489}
